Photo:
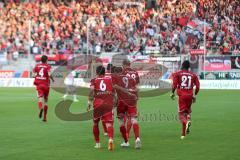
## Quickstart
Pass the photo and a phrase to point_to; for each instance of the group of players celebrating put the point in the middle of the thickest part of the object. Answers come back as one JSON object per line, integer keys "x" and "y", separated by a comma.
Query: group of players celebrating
{"x": 118, "y": 88}
{"x": 115, "y": 88}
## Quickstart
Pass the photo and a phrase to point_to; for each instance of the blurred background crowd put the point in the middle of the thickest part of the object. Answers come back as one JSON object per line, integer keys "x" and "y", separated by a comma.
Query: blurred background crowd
{"x": 171, "y": 27}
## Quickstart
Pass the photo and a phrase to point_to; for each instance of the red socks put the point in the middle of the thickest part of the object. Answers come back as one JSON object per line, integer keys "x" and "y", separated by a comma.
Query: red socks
{"x": 110, "y": 131}
{"x": 124, "y": 133}
{"x": 96, "y": 133}
{"x": 40, "y": 105}
{"x": 104, "y": 127}
{"x": 45, "y": 112}
{"x": 184, "y": 129}
{"x": 136, "y": 130}
{"x": 183, "y": 118}
{"x": 129, "y": 126}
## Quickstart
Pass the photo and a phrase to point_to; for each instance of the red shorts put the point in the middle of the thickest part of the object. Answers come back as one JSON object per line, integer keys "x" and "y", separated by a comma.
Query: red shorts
{"x": 108, "y": 117}
{"x": 185, "y": 103}
{"x": 102, "y": 112}
{"x": 124, "y": 109}
{"x": 43, "y": 91}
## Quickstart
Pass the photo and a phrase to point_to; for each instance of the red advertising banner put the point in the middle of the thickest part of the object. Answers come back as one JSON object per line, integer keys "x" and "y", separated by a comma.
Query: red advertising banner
{"x": 196, "y": 51}
{"x": 14, "y": 74}
{"x": 53, "y": 57}
{"x": 217, "y": 64}
{"x": 7, "y": 73}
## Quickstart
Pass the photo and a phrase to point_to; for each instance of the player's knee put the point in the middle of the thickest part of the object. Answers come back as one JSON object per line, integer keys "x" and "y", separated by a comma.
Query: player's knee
{"x": 121, "y": 122}
{"x": 134, "y": 120}
{"x": 95, "y": 124}
{"x": 40, "y": 99}
{"x": 108, "y": 125}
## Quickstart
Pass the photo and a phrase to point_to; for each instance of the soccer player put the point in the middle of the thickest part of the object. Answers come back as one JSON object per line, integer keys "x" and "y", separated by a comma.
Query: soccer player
{"x": 127, "y": 106}
{"x": 70, "y": 87}
{"x": 127, "y": 70}
{"x": 185, "y": 81}
{"x": 101, "y": 97}
{"x": 110, "y": 68}
{"x": 42, "y": 75}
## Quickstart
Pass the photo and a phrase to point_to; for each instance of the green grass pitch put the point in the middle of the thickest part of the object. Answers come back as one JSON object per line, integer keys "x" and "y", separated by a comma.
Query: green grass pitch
{"x": 215, "y": 133}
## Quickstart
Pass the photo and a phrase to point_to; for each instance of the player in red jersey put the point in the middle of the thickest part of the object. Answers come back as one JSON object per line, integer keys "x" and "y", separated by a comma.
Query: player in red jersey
{"x": 101, "y": 97}
{"x": 42, "y": 75}
{"x": 127, "y": 107}
{"x": 127, "y": 70}
{"x": 108, "y": 73}
{"x": 185, "y": 81}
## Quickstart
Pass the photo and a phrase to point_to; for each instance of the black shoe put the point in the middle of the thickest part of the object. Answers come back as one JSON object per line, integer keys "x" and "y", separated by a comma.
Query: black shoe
{"x": 188, "y": 127}
{"x": 40, "y": 113}
{"x": 44, "y": 120}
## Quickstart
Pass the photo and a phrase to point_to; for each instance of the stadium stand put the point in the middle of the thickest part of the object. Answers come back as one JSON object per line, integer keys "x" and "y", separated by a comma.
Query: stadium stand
{"x": 171, "y": 27}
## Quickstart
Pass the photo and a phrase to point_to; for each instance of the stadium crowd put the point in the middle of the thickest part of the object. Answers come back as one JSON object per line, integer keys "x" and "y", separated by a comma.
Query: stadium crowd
{"x": 171, "y": 26}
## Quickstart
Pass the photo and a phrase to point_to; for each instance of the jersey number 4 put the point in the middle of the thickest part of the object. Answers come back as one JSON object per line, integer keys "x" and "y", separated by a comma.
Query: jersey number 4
{"x": 41, "y": 72}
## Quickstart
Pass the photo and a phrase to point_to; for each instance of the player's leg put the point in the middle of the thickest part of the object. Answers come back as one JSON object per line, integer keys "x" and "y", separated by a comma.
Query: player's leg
{"x": 129, "y": 126}
{"x": 121, "y": 114}
{"x": 45, "y": 109}
{"x": 108, "y": 120}
{"x": 40, "y": 94}
{"x": 132, "y": 113}
{"x": 104, "y": 128}
{"x": 73, "y": 92}
{"x": 110, "y": 132}
{"x": 188, "y": 112}
{"x": 183, "y": 113}
{"x": 40, "y": 104}
{"x": 66, "y": 92}
{"x": 183, "y": 120}
{"x": 123, "y": 131}
{"x": 96, "y": 133}
{"x": 135, "y": 125}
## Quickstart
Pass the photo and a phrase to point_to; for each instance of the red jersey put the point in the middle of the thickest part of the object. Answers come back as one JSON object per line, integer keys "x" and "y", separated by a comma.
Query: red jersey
{"x": 126, "y": 82}
{"x": 133, "y": 74}
{"x": 42, "y": 77}
{"x": 103, "y": 90}
{"x": 184, "y": 81}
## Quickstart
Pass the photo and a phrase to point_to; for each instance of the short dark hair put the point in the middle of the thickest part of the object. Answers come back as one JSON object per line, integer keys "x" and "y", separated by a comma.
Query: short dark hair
{"x": 118, "y": 69}
{"x": 126, "y": 62}
{"x": 100, "y": 70}
{"x": 109, "y": 66}
{"x": 186, "y": 64}
{"x": 44, "y": 59}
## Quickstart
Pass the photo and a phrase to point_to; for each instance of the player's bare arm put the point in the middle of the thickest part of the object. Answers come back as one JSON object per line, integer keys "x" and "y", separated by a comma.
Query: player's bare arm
{"x": 50, "y": 76}
{"x": 34, "y": 74}
{"x": 172, "y": 96}
{"x": 90, "y": 99}
{"x": 123, "y": 90}
{"x": 197, "y": 84}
